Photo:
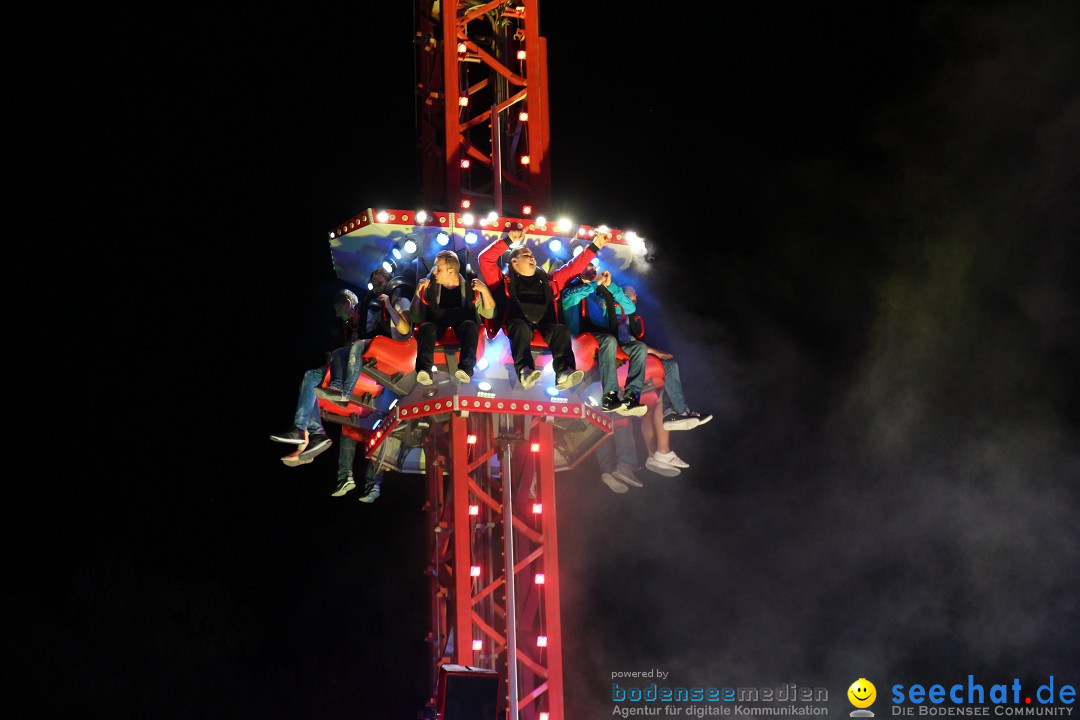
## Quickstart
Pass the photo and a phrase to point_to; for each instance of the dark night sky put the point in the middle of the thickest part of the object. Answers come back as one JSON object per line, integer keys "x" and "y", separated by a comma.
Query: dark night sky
{"x": 866, "y": 222}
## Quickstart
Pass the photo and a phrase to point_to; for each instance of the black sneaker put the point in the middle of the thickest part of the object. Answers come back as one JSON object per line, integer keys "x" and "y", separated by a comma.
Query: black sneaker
{"x": 611, "y": 402}
{"x": 371, "y": 492}
{"x": 631, "y": 405}
{"x": 293, "y": 436}
{"x": 344, "y": 485}
{"x": 316, "y": 444}
{"x": 686, "y": 421}
{"x": 334, "y": 394}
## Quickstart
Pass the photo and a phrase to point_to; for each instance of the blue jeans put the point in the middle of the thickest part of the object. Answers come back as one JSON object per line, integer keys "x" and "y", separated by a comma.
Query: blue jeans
{"x": 347, "y": 362}
{"x": 621, "y": 449}
{"x": 674, "y": 399}
{"x": 605, "y": 357}
{"x": 307, "y": 405}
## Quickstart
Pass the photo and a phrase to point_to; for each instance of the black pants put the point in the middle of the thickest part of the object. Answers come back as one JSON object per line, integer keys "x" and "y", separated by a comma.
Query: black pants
{"x": 468, "y": 333}
{"x": 557, "y": 337}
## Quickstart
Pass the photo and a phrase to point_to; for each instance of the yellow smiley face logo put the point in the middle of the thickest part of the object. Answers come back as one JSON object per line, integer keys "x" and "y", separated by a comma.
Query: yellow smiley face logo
{"x": 862, "y": 693}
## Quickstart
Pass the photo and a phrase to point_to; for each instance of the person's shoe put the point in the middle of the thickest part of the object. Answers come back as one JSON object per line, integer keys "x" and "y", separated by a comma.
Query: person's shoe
{"x": 294, "y": 436}
{"x": 685, "y": 421}
{"x": 371, "y": 492}
{"x": 611, "y": 402}
{"x": 671, "y": 459}
{"x": 613, "y": 483}
{"x": 631, "y": 405}
{"x": 462, "y": 376}
{"x": 626, "y": 475}
{"x": 344, "y": 485}
{"x": 423, "y": 377}
{"x": 702, "y": 419}
{"x": 529, "y": 377}
{"x": 295, "y": 460}
{"x": 334, "y": 394}
{"x": 568, "y": 379}
{"x": 317, "y": 443}
{"x": 658, "y": 465}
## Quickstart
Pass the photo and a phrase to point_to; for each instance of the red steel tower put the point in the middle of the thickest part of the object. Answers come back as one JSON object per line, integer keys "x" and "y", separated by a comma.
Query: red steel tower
{"x": 490, "y": 449}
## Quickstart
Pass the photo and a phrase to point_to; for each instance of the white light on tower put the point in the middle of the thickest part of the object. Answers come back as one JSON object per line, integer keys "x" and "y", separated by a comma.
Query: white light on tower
{"x": 409, "y": 246}
{"x": 555, "y": 245}
{"x": 564, "y": 225}
{"x": 382, "y": 216}
{"x": 421, "y": 216}
{"x": 468, "y": 218}
{"x": 442, "y": 238}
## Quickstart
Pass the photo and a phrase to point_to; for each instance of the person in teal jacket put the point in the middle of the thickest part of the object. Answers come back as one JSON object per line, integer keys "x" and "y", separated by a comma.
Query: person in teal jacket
{"x": 599, "y": 306}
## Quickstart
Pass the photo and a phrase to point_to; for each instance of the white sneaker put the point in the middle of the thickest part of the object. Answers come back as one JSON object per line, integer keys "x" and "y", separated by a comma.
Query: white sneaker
{"x": 423, "y": 377}
{"x": 615, "y": 485}
{"x": 462, "y": 376}
{"x": 671, "y": 458}
{"x": 660, "y": 467}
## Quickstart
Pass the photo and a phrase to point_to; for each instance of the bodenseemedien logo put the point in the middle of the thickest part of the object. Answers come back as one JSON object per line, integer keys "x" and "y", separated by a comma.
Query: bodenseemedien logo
{"x": 862, "y": 694}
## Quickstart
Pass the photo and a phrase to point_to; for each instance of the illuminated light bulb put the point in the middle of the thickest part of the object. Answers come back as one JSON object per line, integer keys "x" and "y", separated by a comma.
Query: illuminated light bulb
{"x": 466, "y": 203}
{"x": 465, "y": 163}
{"x": 541, "y": 220}
{"x": 421, "y": 216}
{"x": 471, "y": 440}
{"x": 442, "y": 238}
{"x": 578, "y": 250}
{"x": 382, "y": 216}
{"x": 520, "y": 54}
{"x": 409, "y": 246}
{"x": 370, "y": 286}
{"x": 526, "y": 209}
{"x": 463, "y": 101}
{"x": 555, "y": 245}
{"x": 396, "y": 252}
{"x": 553, "y": 391}
{"x": 492, "y": 217}
{"x": 544, "y": 716}
{"x": 538, "y": 508}
{"x": 477, "y": 644}
{"x": 564, "y": 225}
{"x": 535, "y": 447}
{"x": 523, "y": 116}
{"x": 470, "y": 238}
{"x": 332, "y": 235}
{"x": 461, "y": 48}
{"x": 387, "y": 266}
{"x": 539, "y": 579}
{"x": 541, "y": 641}
{"x": 474, "y": 571}
{"x": 474, "y": 509}
{"x": 434, "y": 369}
{"x": 525, "y": 160}
{"x": 468, "y": 218}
